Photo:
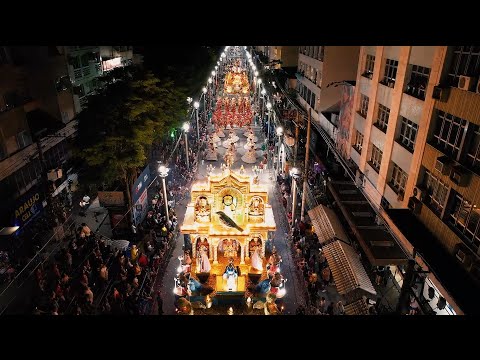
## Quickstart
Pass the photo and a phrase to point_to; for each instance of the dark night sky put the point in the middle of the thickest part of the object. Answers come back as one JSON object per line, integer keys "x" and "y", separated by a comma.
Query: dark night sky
{"x": 188, "y": 66}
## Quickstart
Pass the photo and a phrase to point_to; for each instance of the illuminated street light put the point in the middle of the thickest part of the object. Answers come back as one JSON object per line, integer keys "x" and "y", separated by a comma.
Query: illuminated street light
{"x": 269, "y": 104}
{"x": 196, "y": 105}
{"x": 279, "y": 134}
{"x": 204, "y": 89}
{"x": 210, "y": 80}
{"x": 263, "y": 92}
{"x": 256, "y": 73}
{"x": 213, "y": 72}
{"x": 216, "y": 67}
{"x": 186, "y": 127}
{"x": 294, "y": 174}
{"x": 163, "y": 171}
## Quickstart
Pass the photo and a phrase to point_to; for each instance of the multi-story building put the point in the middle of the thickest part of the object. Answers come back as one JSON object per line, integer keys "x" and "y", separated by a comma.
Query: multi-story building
{"x": 321, "y": 69}
{"x": 393, "y": 106}
{"x": 35, "y": 96}
{"x": 414, "y": 138}
{"x": 84, "y": 67}
{"x": 281, "y": 56}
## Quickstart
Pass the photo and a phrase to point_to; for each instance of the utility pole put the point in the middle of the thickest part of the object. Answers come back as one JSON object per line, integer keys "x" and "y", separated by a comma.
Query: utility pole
{"x": 297, "y": 130}
{"x": 305, "y": 171}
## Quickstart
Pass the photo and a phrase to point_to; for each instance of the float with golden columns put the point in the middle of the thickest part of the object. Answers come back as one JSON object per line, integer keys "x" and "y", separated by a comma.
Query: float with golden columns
{"x": 233, "y": 222}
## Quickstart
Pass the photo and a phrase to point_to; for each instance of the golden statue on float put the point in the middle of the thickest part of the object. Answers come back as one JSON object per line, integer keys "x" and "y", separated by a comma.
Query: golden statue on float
{"x": 228, "y": 220}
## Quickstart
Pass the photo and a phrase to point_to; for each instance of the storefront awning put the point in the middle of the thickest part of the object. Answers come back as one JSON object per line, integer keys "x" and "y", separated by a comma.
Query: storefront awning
{"x": 347, "y": 270}
{"x": 358, "y": 307}
{"x": 326, "y": 224}
{"x": 377, "y": 242}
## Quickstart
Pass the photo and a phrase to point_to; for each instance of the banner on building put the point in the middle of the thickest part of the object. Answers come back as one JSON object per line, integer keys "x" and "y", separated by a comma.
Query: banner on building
{"x": 28, "y": 207}
{"x": 139, "y": 196}
{"x": 111, "y": 198}
{"x": 140, "y": 208}
{"x": 141, "y": 184}
{"x": 344, "y": 121}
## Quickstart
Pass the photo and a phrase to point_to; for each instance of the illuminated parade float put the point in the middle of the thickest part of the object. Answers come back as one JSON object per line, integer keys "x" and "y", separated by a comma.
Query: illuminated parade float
{"x": 228, "y": 222}
{"x": 228, "y": 258}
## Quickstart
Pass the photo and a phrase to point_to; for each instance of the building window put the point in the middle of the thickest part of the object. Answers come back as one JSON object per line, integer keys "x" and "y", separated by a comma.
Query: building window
{"x": 398, "y": 179}
{"x": 363, "y": 105}
{"x": 369, "y": 65}
{"x": 449, "y": 133}
{"x": 436, "y": 192}
{"x": 357, "y": 145}
{"x": 473, "y": 153}
{"x": 390, "y": 76}
{"x": 465, "y": 218}
{"x": 408, "y": 134}
{"x": 418, "y": 82}
{"x": 465, "y": 61}
{"x": 384, "y": 203}
{"x": 23, "y": 139}
{"x": 312, "y": 101}
{"x": 376, "y": 158}
{"x": 382, "y": 119}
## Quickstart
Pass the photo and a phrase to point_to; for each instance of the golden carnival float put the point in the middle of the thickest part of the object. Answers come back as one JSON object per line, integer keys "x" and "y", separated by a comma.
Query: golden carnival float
{"x": 228, "y": 221}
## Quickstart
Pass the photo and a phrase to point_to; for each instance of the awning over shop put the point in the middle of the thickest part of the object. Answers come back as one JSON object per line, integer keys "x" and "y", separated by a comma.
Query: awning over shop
{"x": 358, "y": 307}
{"x": 326, "y": 224}
{"x": 347, "y": 270}
{"x": 377, "y": 242}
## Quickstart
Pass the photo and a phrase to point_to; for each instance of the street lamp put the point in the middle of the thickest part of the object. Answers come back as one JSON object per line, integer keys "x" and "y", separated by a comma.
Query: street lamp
{"x": 204, "y": 90}
{"x": 210, "y": 80}
{"x": 269, "y": 106}
{"x": 279, "y": 134}
{"x": 189, "y": 100}
{"x": 196, "y": 105}
{"x": 294, "y": 173}
{"x": 256, "y": 73}
{"x": 263, "y": 92}
{"x": 163, "y": 171}
{"x": 186, "y": 127}
{"x": 216, "y": 67}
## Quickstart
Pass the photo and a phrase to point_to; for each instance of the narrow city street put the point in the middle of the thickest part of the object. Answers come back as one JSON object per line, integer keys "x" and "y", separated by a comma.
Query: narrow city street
{"x": 295, "y": 290}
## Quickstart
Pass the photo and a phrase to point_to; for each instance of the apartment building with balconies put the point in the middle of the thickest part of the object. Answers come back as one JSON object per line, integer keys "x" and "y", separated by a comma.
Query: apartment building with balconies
{"x": 393, "y": 106}
{"x": 35, "y": 100}
{"x": 321, "y": 71}
{"x": 84, "y": 67}
{"x": 447, "y": 196}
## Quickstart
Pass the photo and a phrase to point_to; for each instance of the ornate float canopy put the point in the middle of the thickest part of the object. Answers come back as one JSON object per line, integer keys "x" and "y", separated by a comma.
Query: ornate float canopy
{"x": 228, "y": 195}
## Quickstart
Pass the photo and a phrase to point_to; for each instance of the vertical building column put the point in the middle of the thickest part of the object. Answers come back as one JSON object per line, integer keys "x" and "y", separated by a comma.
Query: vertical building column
{"x": 247, "y": 252}
{"x": 372, "y": 96}
{"x": 397, "y": 93}
{"x": 210, "y": 248}
{"x": 423, "y": 127}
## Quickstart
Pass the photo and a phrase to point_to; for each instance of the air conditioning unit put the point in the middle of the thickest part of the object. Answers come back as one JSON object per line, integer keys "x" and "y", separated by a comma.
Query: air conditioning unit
{"x": 459, "y": 175}
{"x": 440, "y": 93}
{"x": 54, "y": 174}
{"x": 466, "y": 82}
{"x": 415, "y": 205}
{"x": 418, "y": 193}
{"x": 460, "y": 255}
{"x": 442, "y": 165}
{"x": 463, "y": 254}
{"x": 400, "y": 196}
